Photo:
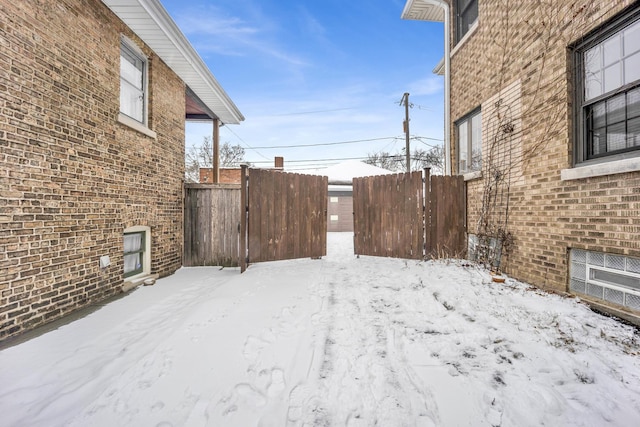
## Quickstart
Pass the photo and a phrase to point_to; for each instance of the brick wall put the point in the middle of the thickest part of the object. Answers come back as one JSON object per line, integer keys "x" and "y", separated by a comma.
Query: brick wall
{"x": 227, "y": 175}
{"x": 72, "y": 177}
{"x": 526, "y": 45}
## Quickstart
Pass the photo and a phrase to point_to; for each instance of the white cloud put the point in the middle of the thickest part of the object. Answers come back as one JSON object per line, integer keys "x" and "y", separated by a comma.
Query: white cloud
{"x": 213, "y": 30}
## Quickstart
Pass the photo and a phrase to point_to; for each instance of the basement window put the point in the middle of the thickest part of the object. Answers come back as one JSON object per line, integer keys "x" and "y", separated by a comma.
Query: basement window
{"x": 609, "y": 277}
{"x": 137, "y": 256}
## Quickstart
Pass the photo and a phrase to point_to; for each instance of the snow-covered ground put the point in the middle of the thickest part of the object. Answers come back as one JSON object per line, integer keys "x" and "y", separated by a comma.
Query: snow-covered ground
{"x": 341, "y": 341}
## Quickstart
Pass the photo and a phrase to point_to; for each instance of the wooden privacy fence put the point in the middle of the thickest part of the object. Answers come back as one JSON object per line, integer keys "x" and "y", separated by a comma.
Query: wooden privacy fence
{"x": 286, "y": 216}
{"x": 211, "y": 225}
{"x": 404, "y": 216}
{"x": 388, "y": 215}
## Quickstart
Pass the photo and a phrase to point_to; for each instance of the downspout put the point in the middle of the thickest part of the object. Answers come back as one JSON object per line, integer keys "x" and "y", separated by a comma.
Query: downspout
{"x": 447, "y": 85}
{"x": 446, "y": 7}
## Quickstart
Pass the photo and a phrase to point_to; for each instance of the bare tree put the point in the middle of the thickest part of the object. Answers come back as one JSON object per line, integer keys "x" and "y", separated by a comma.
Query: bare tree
{"x": 420, "y": 159}
{"x": 432, "y": 158}
{"x": 201, "y": 156}
{"x": 384, "y": 160}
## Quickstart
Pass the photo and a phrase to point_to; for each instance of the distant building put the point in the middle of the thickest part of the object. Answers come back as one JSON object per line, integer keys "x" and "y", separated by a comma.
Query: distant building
{"x": 340, "y": 197}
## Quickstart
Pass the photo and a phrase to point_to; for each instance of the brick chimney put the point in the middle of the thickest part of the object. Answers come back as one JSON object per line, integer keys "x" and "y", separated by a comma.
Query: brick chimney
{"x": 279, "y": 162}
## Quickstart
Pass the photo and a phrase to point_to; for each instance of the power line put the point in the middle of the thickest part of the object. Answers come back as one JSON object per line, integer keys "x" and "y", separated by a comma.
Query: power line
{"x": 311, "y": 112}
{"x": 310, "y": 166}
{"x": 394, "y": 157}
{"x": 426, "y": 137}
{"x": 420, "y": 139}
{"x": 318, "y": 160}
{"x": 248, "y": 146}
{"x": 392, "y": 138}
{"x": 328, "y": 143}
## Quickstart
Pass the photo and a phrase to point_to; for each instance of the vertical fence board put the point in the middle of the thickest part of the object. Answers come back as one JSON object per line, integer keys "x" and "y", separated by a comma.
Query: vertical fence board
{"x": 244, "y": 223}
{"x": 324, "y": 183}
{"x": 427, "y": 211}
{"x": 294, "y": 218}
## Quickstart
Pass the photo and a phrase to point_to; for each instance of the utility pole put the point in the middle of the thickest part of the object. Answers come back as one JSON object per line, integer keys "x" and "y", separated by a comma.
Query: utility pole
{"x": 405, "y": 100}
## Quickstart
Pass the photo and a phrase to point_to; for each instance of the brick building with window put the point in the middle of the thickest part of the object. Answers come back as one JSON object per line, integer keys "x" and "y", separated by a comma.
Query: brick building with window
{"x": 93, "y": 101}
{"x": 543, "y": 120}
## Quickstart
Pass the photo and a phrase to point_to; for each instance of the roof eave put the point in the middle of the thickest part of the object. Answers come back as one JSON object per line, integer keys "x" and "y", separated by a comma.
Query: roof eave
{"x": 176, "y": 51}
{"x": 423, "y": 10}
{"x": 439, "y": 68}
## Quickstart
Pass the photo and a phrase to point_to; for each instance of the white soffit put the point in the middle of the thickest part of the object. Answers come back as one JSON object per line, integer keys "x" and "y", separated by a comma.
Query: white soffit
{"x": 423, "y": 10}
{"x": 151, "y": 22}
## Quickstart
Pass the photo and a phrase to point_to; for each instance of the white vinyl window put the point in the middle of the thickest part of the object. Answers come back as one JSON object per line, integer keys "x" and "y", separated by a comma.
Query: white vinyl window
{"x": 133, "y": 82}
{"x": 608, "y": 77}
{"x": 469, "y": 142}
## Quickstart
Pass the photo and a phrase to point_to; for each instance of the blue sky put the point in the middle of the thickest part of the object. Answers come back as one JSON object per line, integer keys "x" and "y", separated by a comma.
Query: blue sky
{"x": 316, "y": 72}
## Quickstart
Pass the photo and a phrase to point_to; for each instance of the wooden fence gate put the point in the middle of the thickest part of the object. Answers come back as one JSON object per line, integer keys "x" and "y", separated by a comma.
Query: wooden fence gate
{"x": 404, "y": 216}
{"x": 211, "y": 225}
{"x": 285, "y": 216}
{"x": 445, "y": 216}
{"x": 388, "y": 215}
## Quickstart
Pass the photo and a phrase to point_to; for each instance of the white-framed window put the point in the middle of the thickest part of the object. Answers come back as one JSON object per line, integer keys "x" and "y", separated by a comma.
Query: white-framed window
{"x": 466, "y": 14}
{"x": 469, "y": 142}
{"x": 133, "y": 82}
{"x": 333, "y": 217}
{"x": 333, "y": 199}
{"x": 607, "y": 76}
{"x": 137, "y": 251}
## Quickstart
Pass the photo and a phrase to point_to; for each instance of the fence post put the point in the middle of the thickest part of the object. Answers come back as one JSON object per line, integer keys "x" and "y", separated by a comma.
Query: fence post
{"x": 244, "y": 212}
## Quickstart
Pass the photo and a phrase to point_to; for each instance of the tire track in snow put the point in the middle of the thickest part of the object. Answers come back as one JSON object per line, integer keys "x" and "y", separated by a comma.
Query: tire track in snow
{"x": 363, "y": 377}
